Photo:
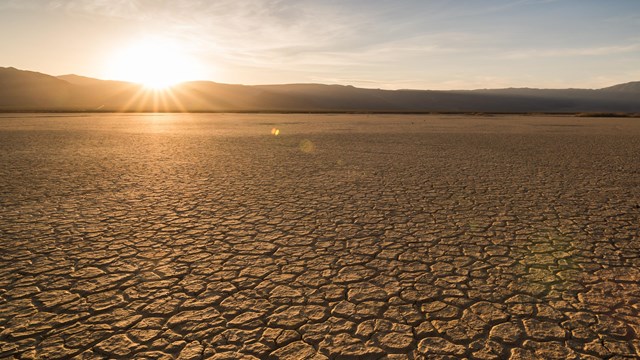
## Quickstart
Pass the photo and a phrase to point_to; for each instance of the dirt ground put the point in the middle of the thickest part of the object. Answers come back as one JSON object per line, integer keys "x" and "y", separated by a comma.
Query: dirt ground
{"x": 197, "y": 236}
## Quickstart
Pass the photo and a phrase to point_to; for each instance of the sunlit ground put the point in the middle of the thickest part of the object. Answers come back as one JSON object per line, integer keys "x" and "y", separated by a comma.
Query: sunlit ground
{"x": 318, "y": 236}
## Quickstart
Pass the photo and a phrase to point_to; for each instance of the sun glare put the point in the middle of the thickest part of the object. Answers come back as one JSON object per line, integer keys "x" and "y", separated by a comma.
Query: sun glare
{"x": 155, "y": 63}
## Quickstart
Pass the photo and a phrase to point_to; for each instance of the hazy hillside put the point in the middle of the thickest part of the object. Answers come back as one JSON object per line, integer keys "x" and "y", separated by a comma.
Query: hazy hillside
{"x": 633, "y": 87}
{"x": 26, "y": 90}
{"x": 79, "y": 80}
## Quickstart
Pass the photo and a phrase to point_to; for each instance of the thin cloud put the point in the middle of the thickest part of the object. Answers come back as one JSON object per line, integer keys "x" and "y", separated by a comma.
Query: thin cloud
{"x": 587, "y": 51}
{"x": 409, "y": 43}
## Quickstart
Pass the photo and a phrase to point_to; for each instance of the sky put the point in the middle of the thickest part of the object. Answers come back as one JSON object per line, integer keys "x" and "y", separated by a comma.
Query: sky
{"x": 389, "y": 44}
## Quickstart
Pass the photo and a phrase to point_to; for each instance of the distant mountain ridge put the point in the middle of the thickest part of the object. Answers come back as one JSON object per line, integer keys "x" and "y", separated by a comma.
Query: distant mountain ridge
{"x": 22, "y": 90}
{"x": 633, "y": 86}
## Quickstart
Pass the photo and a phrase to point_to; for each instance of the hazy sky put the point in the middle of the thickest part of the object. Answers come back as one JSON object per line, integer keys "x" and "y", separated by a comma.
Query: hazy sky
{"x": 421, "y": 44}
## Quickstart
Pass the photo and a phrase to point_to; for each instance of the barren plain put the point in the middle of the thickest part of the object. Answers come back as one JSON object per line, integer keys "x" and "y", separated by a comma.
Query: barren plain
{"x": 207, "y": 236}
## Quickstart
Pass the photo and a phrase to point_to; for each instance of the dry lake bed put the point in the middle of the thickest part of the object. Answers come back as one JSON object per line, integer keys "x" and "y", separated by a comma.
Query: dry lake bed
{"x": 207, "y": 236}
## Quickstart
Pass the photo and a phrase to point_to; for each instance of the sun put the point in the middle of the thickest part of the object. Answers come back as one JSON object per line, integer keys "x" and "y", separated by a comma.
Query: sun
{"x": 155, "y": 63}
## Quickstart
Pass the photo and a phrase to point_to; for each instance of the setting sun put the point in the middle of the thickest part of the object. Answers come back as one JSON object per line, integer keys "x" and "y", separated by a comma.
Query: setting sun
{"x": 156, "y": 63}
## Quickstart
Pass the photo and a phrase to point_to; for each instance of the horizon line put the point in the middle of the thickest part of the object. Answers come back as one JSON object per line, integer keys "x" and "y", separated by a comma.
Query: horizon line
{"x": 326, "y": 84}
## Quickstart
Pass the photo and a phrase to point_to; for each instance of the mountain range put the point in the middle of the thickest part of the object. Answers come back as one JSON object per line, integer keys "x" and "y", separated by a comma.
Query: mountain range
{"x": 22, "y": 90}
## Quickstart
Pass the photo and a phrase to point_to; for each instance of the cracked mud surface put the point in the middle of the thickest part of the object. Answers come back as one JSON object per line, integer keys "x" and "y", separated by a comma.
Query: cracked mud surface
{"x": 346, "y": 236}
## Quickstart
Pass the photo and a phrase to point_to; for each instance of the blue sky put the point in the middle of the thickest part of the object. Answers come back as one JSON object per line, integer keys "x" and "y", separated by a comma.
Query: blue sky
{"x": 428, "y": 44}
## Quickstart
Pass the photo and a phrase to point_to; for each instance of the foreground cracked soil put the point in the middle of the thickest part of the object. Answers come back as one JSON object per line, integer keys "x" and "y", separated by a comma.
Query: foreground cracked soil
{"x": 346, "y": 237}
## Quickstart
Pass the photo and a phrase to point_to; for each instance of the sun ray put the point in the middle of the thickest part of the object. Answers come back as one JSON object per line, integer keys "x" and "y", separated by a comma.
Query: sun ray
{"x": 176, "y": 100}
{"x": 142, "y": 105}
{"x": 163, "y": 100}
{"x": 131, "y": 103}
